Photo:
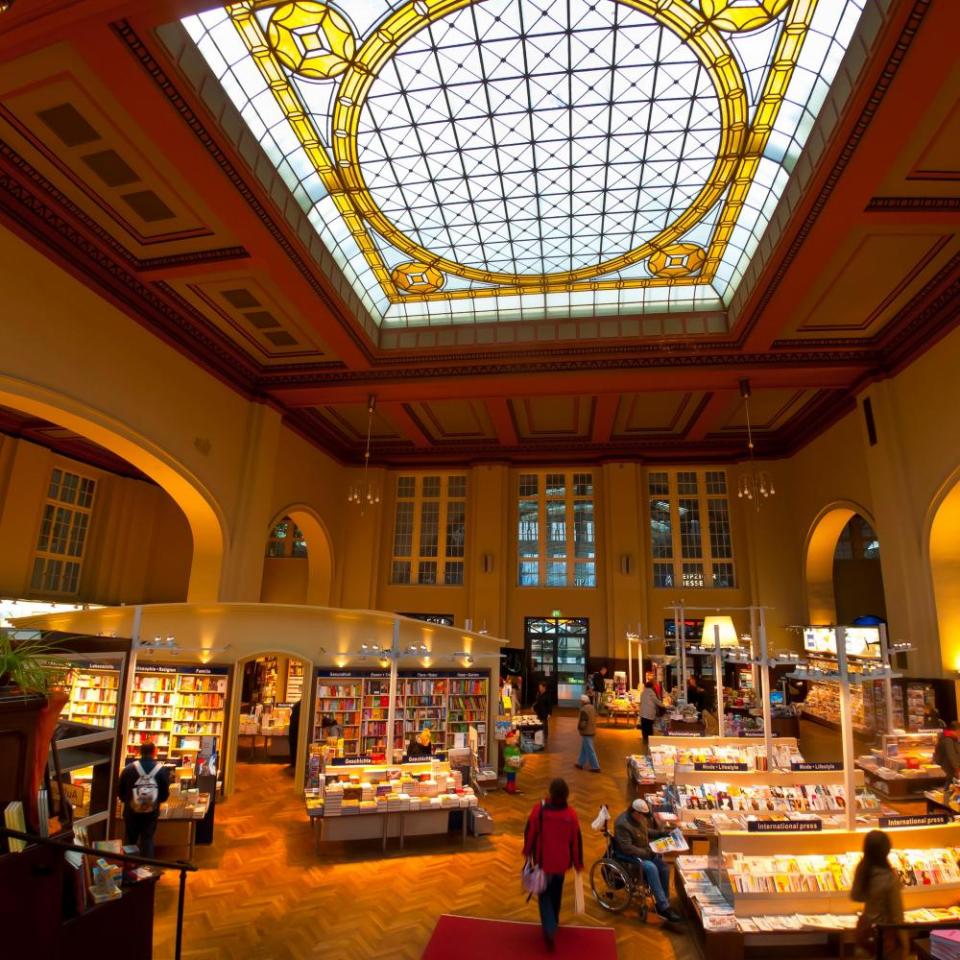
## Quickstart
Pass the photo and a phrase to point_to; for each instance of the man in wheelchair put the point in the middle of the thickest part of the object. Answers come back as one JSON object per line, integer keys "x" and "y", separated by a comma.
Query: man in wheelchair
{"x": 633, "y": 831}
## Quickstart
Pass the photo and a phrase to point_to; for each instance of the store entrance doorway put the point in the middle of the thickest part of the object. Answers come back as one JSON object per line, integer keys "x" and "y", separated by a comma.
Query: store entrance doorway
{"x": 556, "y": 651}
{"x": 270, "y": 694}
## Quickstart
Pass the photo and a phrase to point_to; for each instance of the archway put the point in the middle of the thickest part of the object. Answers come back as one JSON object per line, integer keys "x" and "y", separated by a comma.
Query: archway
{"x": 184, "y": 488}
{"x": 264, "y": 718}
{"x": 944, "y": 527}
{"x": 841, "y": 519}
{"x": 303, "y": 572}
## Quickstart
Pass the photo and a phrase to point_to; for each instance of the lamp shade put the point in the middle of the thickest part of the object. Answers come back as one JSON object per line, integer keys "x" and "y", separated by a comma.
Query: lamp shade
{"x": 728, "y": 633}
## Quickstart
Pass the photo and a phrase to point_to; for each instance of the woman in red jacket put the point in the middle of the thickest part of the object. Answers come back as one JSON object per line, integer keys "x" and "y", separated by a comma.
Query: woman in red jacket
{"x": 552, "y": 840}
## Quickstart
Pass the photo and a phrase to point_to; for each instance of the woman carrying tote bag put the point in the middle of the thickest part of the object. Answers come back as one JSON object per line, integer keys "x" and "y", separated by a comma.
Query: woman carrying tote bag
{"x": 551, "y": 842}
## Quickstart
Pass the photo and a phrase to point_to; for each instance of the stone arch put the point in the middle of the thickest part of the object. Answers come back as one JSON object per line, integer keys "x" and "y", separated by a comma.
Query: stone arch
{"x": 319, "y": 585}
{"x": 818, "y": 557}
{"x": 185, "y": 489}
{"x": 943, "y": 553}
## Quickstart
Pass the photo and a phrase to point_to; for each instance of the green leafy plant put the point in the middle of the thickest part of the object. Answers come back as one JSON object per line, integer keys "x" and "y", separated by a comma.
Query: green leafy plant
{"x": 26, "y": 664}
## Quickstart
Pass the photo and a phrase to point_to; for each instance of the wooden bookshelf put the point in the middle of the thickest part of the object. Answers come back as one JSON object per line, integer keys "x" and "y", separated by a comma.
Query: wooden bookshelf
{"x": 175, "y": 707}
{"x": 359, "y": 701}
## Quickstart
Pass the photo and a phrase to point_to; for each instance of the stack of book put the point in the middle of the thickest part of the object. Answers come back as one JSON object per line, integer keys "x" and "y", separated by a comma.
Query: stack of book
{"x": 945, "y": 944}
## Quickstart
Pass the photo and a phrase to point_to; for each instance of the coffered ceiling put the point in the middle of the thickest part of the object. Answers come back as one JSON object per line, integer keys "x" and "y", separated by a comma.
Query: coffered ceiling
{"x": 125, "y": 157}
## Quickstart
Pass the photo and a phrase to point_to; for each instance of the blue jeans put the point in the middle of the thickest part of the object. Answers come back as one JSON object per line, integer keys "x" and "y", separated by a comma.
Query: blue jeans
{"x": 588, "y": 755}
{"x": 549, "y": 902}
{"x": 657, "y": 874}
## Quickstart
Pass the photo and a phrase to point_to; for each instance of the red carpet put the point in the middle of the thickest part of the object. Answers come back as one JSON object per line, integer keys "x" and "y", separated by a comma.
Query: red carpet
{"x": 469, "y": 938}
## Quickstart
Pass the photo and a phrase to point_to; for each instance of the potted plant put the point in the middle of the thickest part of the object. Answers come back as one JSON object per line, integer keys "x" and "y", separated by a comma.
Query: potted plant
{"x": 28, "y": 674}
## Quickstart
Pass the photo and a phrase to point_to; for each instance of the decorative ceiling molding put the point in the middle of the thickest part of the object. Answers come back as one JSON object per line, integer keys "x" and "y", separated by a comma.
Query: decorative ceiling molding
{"x": 859, "y": 128}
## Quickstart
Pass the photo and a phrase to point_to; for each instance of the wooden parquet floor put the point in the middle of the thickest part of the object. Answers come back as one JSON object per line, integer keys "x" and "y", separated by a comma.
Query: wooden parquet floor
{"x": 262, "y": 893}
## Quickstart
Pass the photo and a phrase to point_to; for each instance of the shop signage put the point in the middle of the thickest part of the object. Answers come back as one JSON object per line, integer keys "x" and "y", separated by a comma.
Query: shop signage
{"x": 433, "y": 756}
{"x": 364, "y": 761}
{"x": 720, "y": 767}
{"x": 813, "y": 766}
{"x": 784, "y": 826}
{"x": 404, "y": 674}
{"x": 922, "y": 820}
{"x": 190, "y": 671}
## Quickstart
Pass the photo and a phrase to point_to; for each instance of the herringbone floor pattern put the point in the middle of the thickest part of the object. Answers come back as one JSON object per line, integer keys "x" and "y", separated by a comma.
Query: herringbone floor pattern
{"x": 262, "y": 893}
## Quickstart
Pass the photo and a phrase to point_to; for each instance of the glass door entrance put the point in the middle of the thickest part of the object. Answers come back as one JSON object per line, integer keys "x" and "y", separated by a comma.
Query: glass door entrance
{"x": 557, "y": 649}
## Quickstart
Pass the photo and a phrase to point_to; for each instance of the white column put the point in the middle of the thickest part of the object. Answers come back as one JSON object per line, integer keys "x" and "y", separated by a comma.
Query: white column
{"x": 680, "y": 634}
{"x": 764, "y": 668}
{"x": 718, "y": 677}
{"x": 392, "y": 708}
{"x": 887, "y": 681}
{"x": 846, "y": 729}
{"x": 753, "y": 648}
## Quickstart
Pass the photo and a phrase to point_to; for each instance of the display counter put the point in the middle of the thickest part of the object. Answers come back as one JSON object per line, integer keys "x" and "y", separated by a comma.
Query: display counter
{"x": 378, "y": 801}
{"x": 902, "y": 766}
{"x": 179, "y": 816}
{"x": 780, "y": 890}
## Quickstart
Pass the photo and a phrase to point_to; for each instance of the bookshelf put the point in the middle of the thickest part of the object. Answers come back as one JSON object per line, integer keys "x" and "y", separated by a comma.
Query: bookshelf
{"x": 94, "y": 694}
{"x": 175, "y": 707}
{"x": 339, "y": 696}
{"x": 294, "y": 689}
{"x": 360, "y": 701}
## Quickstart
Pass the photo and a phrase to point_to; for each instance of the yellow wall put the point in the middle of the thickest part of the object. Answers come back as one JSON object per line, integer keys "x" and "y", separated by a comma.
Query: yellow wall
{"x": 138, "y": 546}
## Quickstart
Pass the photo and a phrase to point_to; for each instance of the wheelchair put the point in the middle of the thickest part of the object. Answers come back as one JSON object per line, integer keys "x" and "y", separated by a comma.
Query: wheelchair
{"x": 617, "y": 881}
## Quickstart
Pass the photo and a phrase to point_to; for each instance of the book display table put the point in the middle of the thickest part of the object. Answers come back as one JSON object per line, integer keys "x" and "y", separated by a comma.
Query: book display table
{"x": 379, "y": 801}
{"x": 769, "y": 893}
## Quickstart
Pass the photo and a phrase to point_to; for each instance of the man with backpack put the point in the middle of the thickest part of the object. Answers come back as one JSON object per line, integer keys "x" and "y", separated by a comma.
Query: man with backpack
{"x": 144, "y": 785}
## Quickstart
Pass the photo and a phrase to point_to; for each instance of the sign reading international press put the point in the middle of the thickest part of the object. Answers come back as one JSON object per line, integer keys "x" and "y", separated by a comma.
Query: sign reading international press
{"x": 922, "y": 820}
{"x": 815, "y": 766}
{"x": 720, "y": 767}
{"x": 784, "y": 826}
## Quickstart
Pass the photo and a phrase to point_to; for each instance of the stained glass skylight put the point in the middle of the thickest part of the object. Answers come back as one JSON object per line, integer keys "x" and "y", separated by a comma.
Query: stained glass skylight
{"x": 474, "y": 160}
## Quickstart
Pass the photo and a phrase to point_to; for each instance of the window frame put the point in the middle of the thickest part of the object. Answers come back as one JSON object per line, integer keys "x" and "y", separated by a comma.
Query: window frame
{"x": 549, "y": 563}
{"x": 65, "y": 517}
{"x": 692, "y": 569}
{"x": 444, "y": 560}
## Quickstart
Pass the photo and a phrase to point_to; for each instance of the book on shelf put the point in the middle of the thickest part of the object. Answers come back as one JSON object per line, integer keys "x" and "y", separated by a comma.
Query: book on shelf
{"x": 13, "y": 817}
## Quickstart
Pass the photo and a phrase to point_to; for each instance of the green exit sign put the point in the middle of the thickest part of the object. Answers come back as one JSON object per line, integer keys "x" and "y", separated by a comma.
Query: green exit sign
{"x": 557, "y": 614}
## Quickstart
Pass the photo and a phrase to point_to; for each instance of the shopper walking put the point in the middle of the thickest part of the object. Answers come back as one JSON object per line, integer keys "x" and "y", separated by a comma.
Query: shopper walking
{"x": 631, "y": 834}
{"x": 598, "y": 686}
{"x": 553, "y": 842}
{"x": 144, "y": 785}
{"x": 877, "y": 886}
{"x": 543, "y": 707}
{"x": 650, "y": 703}
{"x": 587, "y": 728}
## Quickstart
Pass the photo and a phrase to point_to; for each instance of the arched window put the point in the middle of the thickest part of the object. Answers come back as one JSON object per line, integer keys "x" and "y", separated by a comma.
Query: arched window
{"x": 286, "y": 540}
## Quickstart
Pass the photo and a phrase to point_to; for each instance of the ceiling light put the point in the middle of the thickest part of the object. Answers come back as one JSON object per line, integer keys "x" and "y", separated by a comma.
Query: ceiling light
{"x": 755, "y": 485}
{"x": 366, "y": 493}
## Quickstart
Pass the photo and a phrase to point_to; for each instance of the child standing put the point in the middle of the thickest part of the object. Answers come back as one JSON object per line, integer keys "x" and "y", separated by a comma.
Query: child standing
{"x": 512, "y": 761}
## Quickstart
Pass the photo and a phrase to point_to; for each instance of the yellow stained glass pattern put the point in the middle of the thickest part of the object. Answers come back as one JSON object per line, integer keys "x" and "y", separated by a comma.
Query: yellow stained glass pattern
{"x": 311, "y": 39}
{"x": 455, "y": 153}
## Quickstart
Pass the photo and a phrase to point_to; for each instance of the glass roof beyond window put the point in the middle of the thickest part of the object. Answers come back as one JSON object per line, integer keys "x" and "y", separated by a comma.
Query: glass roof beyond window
{"x": 479, "y": 160}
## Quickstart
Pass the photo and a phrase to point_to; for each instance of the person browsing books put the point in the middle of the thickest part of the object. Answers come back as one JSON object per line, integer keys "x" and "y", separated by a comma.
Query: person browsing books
{"x": 876, "y": 885}
{"x": 632, "y": 833}
{"x": 144, "y": 785}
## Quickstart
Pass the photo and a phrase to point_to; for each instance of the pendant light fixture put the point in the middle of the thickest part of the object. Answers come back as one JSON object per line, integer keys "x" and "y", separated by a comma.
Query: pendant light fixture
{"x": 755, "y": 485}
{"x": 366, "y": 493}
